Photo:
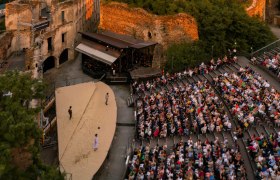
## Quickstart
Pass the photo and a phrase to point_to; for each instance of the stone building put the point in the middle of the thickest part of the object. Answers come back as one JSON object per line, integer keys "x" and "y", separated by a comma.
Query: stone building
{"x": 272, "y": 12}
{"x": 46, "y": 31}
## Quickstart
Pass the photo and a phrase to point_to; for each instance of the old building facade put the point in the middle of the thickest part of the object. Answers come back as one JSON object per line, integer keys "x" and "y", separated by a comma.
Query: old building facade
{"x": 47, "y": 31}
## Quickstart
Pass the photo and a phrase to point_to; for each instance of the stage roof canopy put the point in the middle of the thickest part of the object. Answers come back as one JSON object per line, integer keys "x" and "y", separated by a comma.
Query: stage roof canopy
{"x": 98, "y": 52}
{"x": 118, "y": 40}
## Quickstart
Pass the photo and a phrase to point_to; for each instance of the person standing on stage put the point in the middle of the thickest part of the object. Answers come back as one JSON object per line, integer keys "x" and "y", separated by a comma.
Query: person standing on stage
{"x": 106, "y": 98}
{"x": 95, "y": 142}
{"x": 70, "y": 112}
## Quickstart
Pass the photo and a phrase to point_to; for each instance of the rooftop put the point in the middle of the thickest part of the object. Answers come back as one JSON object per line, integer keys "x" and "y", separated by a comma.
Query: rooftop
{"x": 118, "y": 41}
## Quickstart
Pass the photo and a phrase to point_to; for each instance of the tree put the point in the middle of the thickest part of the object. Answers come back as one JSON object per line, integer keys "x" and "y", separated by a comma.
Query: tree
{"x": 184, "y": 55}
{"x": 19, "y": 131}
{"x": 221, "y": 23}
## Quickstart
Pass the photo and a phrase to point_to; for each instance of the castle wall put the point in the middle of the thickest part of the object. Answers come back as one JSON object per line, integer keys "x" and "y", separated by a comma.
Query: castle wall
{"x": 120, "y": 18}
{"x": 5, "y": 45}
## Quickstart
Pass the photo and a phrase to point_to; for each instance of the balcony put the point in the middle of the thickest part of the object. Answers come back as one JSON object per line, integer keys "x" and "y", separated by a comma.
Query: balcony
{"x": 43, "y": 24}
{"x": 62, "y": 1}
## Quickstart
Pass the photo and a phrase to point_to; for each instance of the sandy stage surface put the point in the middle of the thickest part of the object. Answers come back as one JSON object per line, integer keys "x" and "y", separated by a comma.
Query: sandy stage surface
{"x": 75, "y": 136}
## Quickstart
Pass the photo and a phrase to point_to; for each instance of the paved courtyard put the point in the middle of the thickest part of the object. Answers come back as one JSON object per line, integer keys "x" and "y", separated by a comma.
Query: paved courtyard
{"x": 68, "y": 73}
{"x": 275, "y": 30}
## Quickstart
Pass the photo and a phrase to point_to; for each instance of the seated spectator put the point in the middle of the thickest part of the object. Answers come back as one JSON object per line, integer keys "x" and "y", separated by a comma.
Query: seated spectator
{"x": 264, "y": 152}
{"x": 248, "y": 96}
{"x": 254, "y": 60}
{"x": 187, "y": 160}
{"x": 165, "y": 107}
{"x": 165, "y": 114}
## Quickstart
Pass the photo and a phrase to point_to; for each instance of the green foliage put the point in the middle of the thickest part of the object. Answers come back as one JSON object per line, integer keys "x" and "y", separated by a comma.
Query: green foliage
{"x": 5, "y": 1}
{"x": 19, "y": 128}
{"x": 221, "y": 23}
{"x": 2, "y": 25}
{"x": 183, "y": 55}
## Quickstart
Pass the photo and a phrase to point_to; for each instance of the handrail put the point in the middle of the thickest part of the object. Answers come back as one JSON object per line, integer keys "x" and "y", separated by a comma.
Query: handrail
{"x": 129, "y": 154}
{"x": 265, "y": 48}
{"x": 100, "y": 79}
{"x": 48, "y": 99}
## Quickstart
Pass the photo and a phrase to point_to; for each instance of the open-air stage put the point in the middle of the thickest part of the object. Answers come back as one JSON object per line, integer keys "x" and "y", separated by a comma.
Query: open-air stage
{"x": 75, "y": 137}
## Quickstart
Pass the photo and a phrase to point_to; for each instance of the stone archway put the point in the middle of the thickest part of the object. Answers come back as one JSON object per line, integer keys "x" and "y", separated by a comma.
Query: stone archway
{"x": 49, "y": 63}
{"x": 63, "y": 56}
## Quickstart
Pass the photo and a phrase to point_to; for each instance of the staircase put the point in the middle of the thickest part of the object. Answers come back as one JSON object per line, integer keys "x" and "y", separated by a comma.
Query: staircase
{"x": 116, "y": 79}
{"x": 130, "y": 101}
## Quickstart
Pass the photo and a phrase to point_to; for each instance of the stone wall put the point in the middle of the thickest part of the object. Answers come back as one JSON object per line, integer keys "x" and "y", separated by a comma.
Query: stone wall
{"x": 75, "y": 20}
{"x": 119, "y": 18}
{"x": 16, "y": 11}
{"x": 58, "y": 46}
{"x": 21, "y": 39}
{"x": 5, "y": 44}
{"x": 272, "y": 11}
{"x": 257, "y": 8}
{"x": 29, "y": 54}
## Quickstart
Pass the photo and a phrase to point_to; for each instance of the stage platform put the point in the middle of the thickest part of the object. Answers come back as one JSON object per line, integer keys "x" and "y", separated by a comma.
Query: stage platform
{"x": 75, "y": 137}
{"x": 144, "y": 73}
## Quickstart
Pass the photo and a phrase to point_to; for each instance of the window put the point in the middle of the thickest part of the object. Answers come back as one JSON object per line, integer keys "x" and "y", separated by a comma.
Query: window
{"x": 63, "y": 37}
{"x": 149, "y": 35}
{"x": 62, "y": 16}
{"x": 50, "y": 43}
